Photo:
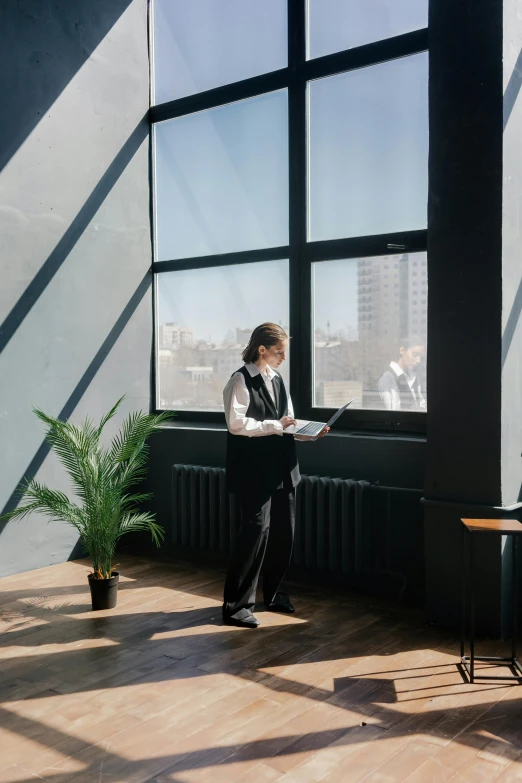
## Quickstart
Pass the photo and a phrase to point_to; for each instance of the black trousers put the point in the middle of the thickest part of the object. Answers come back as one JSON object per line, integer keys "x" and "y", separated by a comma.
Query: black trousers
{"x": 264, "y": 545}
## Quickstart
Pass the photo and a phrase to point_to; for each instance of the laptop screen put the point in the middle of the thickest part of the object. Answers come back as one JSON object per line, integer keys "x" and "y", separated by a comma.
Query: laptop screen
{"x": 337, "y": 414}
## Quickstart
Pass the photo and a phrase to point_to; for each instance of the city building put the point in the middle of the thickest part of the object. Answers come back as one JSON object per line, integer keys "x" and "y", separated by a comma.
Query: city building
{"x": 175, "y": 336}
{"x": 392, "y": 297}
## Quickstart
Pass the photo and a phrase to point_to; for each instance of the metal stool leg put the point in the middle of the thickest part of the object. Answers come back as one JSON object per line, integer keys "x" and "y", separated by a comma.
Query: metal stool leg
{"x": 514, "y": 598}
{"x": 471, "y": 554}
{"x": 462, "y": 591}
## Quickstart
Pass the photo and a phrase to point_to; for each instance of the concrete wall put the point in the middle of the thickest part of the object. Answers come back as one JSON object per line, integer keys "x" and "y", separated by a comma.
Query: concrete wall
{"x": 75, "y": 294}
{"x": 512, "y": 255}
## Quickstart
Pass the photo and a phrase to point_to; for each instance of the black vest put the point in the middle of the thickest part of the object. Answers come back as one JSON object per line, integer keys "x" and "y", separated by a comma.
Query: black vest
{"x": 408, "y": 401}
{"x": 266, "y": 462}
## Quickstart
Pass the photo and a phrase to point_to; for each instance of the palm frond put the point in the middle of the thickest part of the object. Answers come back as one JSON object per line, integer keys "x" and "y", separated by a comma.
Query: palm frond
{"x": 110, "y": 414}
{"x": 140, "y": 522}
{"x": 49, "y": 502}
{"x": 101, "y": 478}
{"x": 134, "y": 432}
{"x": 127, "y": 501}
{"x": 129, "y": 450}
{"x": 75, "y": 447}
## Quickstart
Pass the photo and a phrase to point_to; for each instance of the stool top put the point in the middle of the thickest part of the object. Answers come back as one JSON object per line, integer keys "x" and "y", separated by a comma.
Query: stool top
{"x": 492, "y": 525}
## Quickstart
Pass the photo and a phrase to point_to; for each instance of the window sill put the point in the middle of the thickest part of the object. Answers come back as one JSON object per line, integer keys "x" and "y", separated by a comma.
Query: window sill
{"x": 194, "y": 425}
{"x": 339, "y": 433}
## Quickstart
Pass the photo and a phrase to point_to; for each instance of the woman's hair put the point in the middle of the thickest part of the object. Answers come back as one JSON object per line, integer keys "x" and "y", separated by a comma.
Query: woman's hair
{"x": 412, "y": 341}
{"x": 268, "y": 335}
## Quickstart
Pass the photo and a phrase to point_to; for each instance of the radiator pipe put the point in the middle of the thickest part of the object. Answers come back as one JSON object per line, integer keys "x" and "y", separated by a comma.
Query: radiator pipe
{"x": 419, "y": 492}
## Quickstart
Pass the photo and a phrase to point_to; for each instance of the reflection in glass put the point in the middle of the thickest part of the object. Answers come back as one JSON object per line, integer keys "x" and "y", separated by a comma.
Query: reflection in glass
{"x": 370, "y": 332}
{"x": 368, "y": 150}
{"x": 221, "y": 179}
{"x": 202, "y": 44}
{"x": 205, "y": 318}
{"x": 334, "y": 25}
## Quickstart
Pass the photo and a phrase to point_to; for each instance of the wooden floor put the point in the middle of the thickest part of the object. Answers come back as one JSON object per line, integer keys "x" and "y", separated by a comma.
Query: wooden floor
{"x": 159, "y": 690}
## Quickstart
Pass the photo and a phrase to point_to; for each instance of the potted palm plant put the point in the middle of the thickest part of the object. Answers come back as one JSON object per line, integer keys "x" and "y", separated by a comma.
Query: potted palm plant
{"x": 102, "y": 478}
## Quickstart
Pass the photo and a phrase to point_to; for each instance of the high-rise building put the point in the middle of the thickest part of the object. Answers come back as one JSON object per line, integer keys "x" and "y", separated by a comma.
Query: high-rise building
{"x": 392, "y": 297}
{"x": 173, "y": 335}
{"x": 379, "y": 297}
{"x": 417, "y": 288}
{"x": 392, "y": 308}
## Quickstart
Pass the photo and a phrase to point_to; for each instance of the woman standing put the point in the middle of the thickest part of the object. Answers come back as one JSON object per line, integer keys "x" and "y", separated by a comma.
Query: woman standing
{"x": 262, "y": 471}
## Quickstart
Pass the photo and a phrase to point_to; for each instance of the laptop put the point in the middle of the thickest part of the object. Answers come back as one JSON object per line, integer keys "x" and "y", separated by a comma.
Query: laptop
{"x": 311, "y": 429}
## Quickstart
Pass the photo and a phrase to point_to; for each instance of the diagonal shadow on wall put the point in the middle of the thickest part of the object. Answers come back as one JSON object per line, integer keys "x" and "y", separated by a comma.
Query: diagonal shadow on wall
{"x": 53, "y": 263}
{"x": 510, "y": 98}
{"x": 513, "y": 89}
{"x": 53, "y": 41}
{"x": 509, "y": 331}
{"x": 83, "y": 384}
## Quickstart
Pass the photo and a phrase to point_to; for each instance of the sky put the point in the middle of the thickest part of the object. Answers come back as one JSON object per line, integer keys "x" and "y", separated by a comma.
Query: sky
{"x": 334, "y": 25}
{"x": 368, "y": 150}
{"x": 201, "y": 44}
{"x": 222, "y": 179}
{"x": 216, "y": 300}
{"x": 221, "y": 176}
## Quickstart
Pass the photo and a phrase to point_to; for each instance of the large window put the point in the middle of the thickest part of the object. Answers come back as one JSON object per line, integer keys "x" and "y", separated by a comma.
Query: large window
{"x": 290, "y": 145}
{"x": 201, "y": 44}
{"x": 204, "y": 317}
{"x": 368, "y": 150}
{"x": 369, "y": 321}
{"x": 222, "y": 179}
{"x": 334, "y": 25}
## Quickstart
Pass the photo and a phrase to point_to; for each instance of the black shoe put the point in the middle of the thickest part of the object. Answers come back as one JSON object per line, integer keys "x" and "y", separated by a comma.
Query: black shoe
{"x": 242, "y": 619}
{"x": 281, "y": 603}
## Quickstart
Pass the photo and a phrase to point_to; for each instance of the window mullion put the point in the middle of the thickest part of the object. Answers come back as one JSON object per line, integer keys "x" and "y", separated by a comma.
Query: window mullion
{"x": 300, "y": 364}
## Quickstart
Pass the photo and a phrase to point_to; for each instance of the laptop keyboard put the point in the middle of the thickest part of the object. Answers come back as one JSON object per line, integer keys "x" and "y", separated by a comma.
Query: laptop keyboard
{"x": 312, "y": 428}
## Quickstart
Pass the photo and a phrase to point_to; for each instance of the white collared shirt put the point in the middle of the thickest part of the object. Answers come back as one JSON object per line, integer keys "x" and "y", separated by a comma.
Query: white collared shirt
{"x": 236, "y": 398}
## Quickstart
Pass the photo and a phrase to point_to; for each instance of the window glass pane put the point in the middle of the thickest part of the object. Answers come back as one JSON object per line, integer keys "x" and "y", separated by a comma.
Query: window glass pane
{"x": 205, "y": 318}
{"x": 202, "y": 44}
{"x": 370, "y": 328}
{"x": 334, "y": 25}
{"x": 221, "y": 180}
{"x": 368, "y": 150}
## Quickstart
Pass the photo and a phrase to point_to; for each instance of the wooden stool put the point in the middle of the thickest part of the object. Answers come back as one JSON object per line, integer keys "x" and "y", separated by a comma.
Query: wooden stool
{"x": 503, "y": 527}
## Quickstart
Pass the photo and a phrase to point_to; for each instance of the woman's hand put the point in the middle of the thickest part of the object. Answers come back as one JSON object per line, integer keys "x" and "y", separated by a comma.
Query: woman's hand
{"x": 287, "y": 421}
{"x": 324, "y": 432}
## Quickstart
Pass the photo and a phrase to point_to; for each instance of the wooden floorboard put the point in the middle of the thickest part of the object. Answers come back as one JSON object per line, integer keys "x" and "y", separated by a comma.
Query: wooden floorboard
{"x": 159, "y": 690}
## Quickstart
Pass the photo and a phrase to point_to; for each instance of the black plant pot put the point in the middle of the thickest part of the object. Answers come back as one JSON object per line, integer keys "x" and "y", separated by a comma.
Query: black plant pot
{"x": 104, "y": 592}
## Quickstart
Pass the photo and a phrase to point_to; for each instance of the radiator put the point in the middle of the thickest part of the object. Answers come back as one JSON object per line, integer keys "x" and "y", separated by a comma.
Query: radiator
{"x": 331, "y": 533}
{"x": 204, "y": 515}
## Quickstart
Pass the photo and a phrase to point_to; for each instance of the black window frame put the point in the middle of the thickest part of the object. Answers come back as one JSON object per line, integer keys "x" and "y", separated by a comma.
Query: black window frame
{"x": 300, "y": 252}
